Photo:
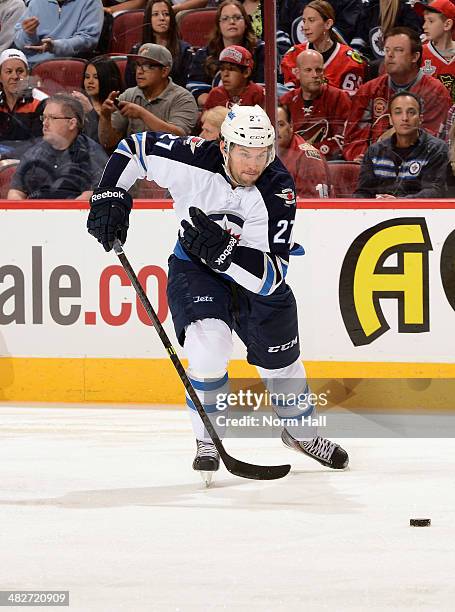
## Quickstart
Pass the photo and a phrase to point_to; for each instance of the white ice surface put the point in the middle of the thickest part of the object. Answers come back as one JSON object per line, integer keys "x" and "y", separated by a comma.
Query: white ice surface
{"x": 103, "y": 502}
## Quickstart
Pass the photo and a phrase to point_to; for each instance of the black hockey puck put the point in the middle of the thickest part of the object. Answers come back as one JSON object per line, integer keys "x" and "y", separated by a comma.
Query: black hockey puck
{"x": 420, "y": 522}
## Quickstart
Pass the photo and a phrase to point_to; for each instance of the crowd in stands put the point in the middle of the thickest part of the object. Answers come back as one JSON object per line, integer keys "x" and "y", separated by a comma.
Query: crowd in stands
{"x": 365, "y": 85}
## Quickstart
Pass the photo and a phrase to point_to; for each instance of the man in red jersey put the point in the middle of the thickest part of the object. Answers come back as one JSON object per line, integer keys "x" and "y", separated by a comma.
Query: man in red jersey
{"x": 318, "y": 110}
{"x": 305, "y": 163}
{"x": 369, "y": 117}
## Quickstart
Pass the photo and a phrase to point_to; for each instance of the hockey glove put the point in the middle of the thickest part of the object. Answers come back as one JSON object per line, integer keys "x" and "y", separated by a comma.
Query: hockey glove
{"x": 108, "y": 217}
{"x": 208, "y": 241}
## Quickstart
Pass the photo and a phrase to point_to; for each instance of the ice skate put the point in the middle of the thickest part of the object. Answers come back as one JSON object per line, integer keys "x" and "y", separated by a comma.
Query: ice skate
{"x": 207, "y": 460}
{"x": 326, "y": 452}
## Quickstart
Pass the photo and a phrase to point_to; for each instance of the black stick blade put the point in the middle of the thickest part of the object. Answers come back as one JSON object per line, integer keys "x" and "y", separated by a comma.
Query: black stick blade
{"x": 255, "y": 472}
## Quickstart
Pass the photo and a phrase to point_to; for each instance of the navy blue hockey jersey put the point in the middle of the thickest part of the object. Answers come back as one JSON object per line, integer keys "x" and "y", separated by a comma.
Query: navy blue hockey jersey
{"x": 191, "y": 168}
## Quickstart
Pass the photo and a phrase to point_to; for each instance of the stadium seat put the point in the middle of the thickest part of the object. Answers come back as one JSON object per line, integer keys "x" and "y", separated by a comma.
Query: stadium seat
{"x": 126, "y": 30}
{"x": 195, "y": 25}
{"x": 344, "y": 176}
{"x": 121, "y": 60}
{"x": 7, "y": 170}
{"x": 59, "y": 74}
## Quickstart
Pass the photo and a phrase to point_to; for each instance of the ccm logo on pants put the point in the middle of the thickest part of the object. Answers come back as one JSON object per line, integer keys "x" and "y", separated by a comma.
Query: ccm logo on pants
{"x": 282, "y": 347}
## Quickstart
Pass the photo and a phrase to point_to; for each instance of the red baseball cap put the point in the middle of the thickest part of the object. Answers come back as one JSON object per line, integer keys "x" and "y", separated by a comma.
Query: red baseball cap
{"x": 235, "y": 54}
{"x": 445, "y": 7}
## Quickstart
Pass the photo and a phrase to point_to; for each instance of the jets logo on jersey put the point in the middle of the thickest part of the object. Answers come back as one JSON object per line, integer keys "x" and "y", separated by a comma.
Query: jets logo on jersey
{"x": 194, "y": 141}
{"x": 230, "y": 222}
{"x": 377, "y": 41}
{"x": 288, "y": 196}
{"x": 414, "y": 168}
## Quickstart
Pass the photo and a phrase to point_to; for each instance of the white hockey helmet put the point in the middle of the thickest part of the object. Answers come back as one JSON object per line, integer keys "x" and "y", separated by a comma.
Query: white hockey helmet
{"x": 248, "y": 126}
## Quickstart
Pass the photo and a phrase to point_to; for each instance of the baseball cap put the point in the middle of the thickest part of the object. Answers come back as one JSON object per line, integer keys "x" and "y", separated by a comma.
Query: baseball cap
{"x": 445, "y": 7}
{"x": 9, "y": 54}
{"x": 155, "y": 54}
{"x": 235, "y": 54}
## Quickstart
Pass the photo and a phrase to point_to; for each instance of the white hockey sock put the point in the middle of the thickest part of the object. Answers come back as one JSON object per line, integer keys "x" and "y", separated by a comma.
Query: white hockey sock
{"x": 289, "y": 394}
{"x": 208, "y": 390}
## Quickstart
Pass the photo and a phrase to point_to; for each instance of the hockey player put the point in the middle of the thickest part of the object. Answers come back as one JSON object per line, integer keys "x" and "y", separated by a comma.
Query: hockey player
{"x": 236, "y": 205}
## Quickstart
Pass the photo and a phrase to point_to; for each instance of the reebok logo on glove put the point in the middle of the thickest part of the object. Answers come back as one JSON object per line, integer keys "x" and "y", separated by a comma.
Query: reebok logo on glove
{"x": 227, "y": 252}
{"x": 108, "y": 217}
{"x": 207, "y": 240}
{"x": 108, "y": 194}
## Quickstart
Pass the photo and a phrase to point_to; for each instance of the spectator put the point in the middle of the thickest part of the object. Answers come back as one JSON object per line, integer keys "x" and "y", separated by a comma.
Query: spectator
{"x": 306, "y": 164}
{"x": 236, "y": 66}
{"x": 411, "y": 163}
{"x": 369, "y": 113}
{"x": 232, "y": 27}
{"x": 211, "y": 122}
{"x": 65, "y": 163}
{"x": 160, "y": 27}
{"x": 66, "y": 28}
{"x": 10, "y": 13}
{"x": 155, "y": 104}
{"x": 319, "y": 111}
{"x": 20, "y": 104}
{"x": 101, "y": 77}
{"x": 377, "y": 17}
{"x": 343, "y": 67}
{"x": 346, "y": 11}
{"x": 438, "y": 57}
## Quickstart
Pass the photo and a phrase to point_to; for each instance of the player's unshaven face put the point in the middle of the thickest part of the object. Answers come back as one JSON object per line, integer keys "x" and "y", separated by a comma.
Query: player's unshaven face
{"x": 246, "y": 164}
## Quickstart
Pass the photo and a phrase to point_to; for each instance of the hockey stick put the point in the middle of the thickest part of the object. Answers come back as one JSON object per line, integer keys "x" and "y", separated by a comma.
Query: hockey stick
{"x": 239, "y": 468}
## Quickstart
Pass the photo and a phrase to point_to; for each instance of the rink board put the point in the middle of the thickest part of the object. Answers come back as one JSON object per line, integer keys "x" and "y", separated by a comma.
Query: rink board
{"x": 375, "y": 291}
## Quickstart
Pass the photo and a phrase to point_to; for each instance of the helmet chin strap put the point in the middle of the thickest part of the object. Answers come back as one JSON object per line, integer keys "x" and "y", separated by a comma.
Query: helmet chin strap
{"x": 225, "y": 153}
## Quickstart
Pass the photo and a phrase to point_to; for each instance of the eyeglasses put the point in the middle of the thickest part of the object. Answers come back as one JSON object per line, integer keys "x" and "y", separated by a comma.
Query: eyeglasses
{"x": 52, "y": 118}
{"x": 147, "y": 67}
{"x": 233, "y": 18}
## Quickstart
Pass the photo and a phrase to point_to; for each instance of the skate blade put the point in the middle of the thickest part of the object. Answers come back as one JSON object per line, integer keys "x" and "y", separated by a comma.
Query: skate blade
{"x": 206, "y": 477}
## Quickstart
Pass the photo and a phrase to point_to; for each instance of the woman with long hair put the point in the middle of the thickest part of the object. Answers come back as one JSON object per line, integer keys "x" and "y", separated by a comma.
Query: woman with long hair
{"x": 232, "y": 27}
{"x": 343, "y": 67}
{"x": 160, "y": 27}
{"x": 100, "y": 78}
{"x": 378, "y": 17}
